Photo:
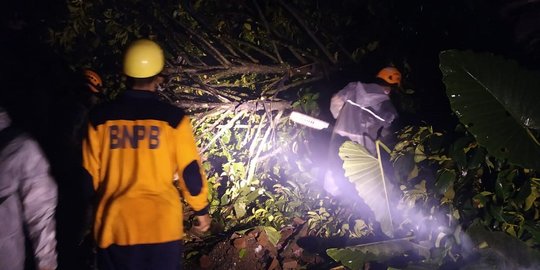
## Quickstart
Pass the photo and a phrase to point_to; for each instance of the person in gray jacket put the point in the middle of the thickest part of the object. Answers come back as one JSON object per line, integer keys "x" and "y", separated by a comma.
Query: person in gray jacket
{"x": 28, "y": 198}
{"x": 364, "y": 113}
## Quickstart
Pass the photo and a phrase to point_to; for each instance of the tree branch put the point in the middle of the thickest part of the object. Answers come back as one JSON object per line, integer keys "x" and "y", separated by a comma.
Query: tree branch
{"x": 308, "y": 31}
{"x": 257, "y": 49}
{"x": 248, "y": 68}
{"x": 209, "y": 89}
{"x": 265, "y": 22}
{"x": 215, "y": 52}
{"x": 220, "y": 133}
{"x": 252, "y": 105}
{"x": 297, "y": 55}
{"x": 294, "y": 84}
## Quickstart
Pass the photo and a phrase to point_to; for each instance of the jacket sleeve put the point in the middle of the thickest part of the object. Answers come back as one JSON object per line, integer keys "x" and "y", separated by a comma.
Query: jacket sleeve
{"x": 387, "y": 112}
{"x": 339, "y": 99}
{"x": 90, "y": 152}
{"x": 193, "y": 183}
{"x": 38, "y": 192}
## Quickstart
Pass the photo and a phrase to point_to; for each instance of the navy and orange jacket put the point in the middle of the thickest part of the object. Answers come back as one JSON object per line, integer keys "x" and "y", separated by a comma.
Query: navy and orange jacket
{"x": 134, "y": 148}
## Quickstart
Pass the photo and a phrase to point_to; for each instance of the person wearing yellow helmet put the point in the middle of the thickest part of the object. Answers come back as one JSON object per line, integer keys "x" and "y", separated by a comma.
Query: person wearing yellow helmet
{"x": 135, "y": 147}
{"x": 143, "y": 59}
{"x": 363, "y": 112}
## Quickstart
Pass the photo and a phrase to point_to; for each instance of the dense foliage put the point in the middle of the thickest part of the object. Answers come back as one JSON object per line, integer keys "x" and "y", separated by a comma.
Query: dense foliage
{"x": 240, "y": 67}
{"x": 449, "y": 182}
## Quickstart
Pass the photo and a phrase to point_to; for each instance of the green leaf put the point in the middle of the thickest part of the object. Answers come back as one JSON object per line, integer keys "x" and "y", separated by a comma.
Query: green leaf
{"x": 242, "y": 253}
{"x": 535, "y": 193}
{"x": 360, "y": 228}
{"x": 478, "y": 158}
{"x": 497, "y": 101}
{"x": 503, "y": 185}
{"x": 273, "y": 234}
{"x": 355, "y": 257}
{"x": 365, "y": 172}
{"x": 350, "y": 258}
{"x": 224, "y": 199}
{"x": 404, "y": 166}
{"x": 533, "y": 229}
{"x": 515, "y": 253}
{"x": 496, "y": 212}
{"x": 240, "y": 209}
{"x": 524, "y": 192}
{"x": 457, "y": 151}
{"x": 419, "y": 154}
{"x": 411, "y": 196}
{"x": 445, "y": 180}
{"x": 252, "y": 195}
{"x": 480, "y": 200}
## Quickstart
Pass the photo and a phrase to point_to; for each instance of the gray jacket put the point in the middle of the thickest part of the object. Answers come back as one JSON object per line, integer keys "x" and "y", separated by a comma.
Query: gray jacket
{"x": 28, "y": 198}
{"x": 361, "y": 110}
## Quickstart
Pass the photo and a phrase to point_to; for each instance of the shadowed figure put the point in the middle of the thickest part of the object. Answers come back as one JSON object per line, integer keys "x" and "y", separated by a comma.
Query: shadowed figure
{"x": 45, "y": 99}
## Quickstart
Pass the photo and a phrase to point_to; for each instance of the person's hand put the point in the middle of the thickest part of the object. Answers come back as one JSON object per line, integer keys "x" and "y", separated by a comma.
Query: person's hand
{"x": 204, "y": 223}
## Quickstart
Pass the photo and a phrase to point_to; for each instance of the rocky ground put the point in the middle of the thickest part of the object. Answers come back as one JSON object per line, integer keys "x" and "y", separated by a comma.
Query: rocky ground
{"x": 253, "y": 249}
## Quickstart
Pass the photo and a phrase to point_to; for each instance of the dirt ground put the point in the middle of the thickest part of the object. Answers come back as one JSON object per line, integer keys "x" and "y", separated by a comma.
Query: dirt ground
{"x": 253, "y": 250}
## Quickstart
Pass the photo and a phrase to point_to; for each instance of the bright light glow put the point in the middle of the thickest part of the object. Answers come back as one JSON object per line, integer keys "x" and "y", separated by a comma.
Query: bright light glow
{"x": 308, "y": 121}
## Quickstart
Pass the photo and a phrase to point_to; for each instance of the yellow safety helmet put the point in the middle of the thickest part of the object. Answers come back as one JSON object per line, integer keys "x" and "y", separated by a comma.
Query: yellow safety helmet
{"x": 143, "y": 59}
{"x": 391, "y": 75}
{"x": 93, "y": 80}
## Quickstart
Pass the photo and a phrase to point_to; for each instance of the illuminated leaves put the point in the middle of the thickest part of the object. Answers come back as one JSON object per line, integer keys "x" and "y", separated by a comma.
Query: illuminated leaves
{"x": 307, "y": 103}
{"x": 534, "y": 194}
{"x": 412, "y": 195}
{"x": 365, "y": 172}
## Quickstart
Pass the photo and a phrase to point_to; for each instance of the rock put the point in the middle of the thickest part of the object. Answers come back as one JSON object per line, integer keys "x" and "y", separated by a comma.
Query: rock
{"x": 262, "y": 239}
{"x": 274, "y": 265}
{"x": 240, "y": 243}
{"x": 298, "y": 221}
{"x": 290, "y": 264}
{"x": 265, "y": 242}
{"x": 206, "y": 262}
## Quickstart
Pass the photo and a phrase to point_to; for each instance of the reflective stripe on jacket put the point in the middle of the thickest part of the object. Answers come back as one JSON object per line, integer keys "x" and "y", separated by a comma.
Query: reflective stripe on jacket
{"x": 361, "y": 110}
{"x": 134, "y": 148}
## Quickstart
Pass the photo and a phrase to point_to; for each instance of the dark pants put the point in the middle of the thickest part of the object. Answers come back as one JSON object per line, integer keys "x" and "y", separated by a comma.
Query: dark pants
{"x": 163, "y": 256}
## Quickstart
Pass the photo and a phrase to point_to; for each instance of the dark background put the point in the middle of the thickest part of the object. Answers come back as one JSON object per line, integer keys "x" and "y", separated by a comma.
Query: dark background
{"x": 43, "y": 94}
{"x": 410, "y": 33}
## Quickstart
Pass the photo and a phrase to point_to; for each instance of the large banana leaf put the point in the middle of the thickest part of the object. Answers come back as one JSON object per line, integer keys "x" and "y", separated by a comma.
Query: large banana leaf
{"x": 356, "y": 256}
{"x": 365, "y": 172}
{"x": 497, "y": 101}
{"x": 499, "y": 250}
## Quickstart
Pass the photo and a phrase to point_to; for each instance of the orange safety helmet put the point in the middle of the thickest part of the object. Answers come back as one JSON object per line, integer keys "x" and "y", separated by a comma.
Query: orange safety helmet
{"x": 391, "y": 75}
{"x": 94, "y": 82}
